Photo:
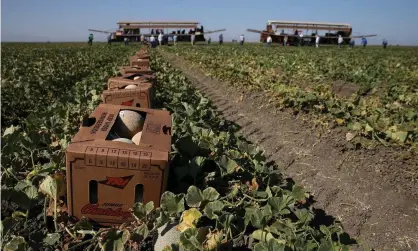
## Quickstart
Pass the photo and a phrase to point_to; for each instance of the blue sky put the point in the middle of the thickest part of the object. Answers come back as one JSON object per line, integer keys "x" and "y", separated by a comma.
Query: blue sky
{"x": 47, "y": 20}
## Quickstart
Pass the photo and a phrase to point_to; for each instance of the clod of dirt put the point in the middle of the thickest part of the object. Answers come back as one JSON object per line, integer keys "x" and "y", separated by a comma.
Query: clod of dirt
{"x": 344, "y": 89}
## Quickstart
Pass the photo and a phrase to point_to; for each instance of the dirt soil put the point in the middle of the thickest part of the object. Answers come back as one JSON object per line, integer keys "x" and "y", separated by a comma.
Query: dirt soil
{"x": 374, "y": 193}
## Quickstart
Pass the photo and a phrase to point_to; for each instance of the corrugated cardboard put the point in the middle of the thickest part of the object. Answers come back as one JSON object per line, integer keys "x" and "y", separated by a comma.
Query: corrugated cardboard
{"x": 142, "y": 55}
{"x": 141, "y": 70}
{"x": 116, "y": 168}
{"x": 119, "y": 82}
{"x": 138, "y": 62}
{"x": 142, "y": 96}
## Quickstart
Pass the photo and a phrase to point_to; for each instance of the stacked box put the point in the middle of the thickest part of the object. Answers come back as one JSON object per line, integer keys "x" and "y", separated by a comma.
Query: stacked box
{"x": 106, "y": 177}
{"x": 131, "y": 90}
{"x": 109, "y": 165}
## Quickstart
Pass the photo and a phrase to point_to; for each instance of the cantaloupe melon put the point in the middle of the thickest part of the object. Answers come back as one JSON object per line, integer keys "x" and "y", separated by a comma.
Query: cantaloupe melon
{"x": 167, "y": 235}
{"x": 124, "y": 140}
{"x": 137, "y": 77}
{"x": 131, "y": 87}
{"x": 128, "y": 123}
{"x": 137, "y": 138}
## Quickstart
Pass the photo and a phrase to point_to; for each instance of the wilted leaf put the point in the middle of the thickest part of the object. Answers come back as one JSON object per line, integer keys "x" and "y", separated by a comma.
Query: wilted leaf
{"x": 188, "y": 219}
{"x": 213, "y": 240}
{"x": 18, "y": 243}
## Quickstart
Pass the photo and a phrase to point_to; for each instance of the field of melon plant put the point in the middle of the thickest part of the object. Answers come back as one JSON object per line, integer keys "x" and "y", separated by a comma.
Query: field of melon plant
{"x": 373, "y": 92}
{"x": 222, "y": 192}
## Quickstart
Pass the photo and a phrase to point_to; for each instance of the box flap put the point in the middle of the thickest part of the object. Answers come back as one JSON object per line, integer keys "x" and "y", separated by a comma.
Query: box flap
{"x": 156, "y": 133}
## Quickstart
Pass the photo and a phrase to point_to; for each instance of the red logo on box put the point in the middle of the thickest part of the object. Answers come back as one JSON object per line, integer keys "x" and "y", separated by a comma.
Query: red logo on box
{"x": 117, "y": 182}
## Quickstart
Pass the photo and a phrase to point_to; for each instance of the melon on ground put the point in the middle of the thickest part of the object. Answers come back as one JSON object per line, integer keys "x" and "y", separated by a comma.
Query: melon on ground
{"x": 137, "y": 77}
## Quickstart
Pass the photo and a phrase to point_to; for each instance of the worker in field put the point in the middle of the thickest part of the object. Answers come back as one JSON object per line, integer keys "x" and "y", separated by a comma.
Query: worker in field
{"x": 125, "y": 40}
{"x": 109, "y": 39}
{"x": 192, "y": 39}
{"x": 269, "y": 40}
{"x": 352, "y": 43}
{"x": 317, "y": 40}
{"x": 142, "y": 38}
{"x": 285, "y": 40}
{"x": 160, "y": 39}
{"x": 364, "y": 41}
{"x": 300, "y": 38}
{"x": 385, "y": 43}
{"x": 175, "y": 39}
{"x": 90, "y": 39}
{"x": 241, "y": 39}
{"x": 221, "y": 39}
{"x": 340, "y": 41}
{"x": 152, "y": 41}
{"x": 209, "y": 40}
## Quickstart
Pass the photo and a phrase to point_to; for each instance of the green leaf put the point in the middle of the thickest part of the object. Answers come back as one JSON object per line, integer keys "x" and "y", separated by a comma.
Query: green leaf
{"x": 142, "y": 230}
{"x": 298, "y": 193}
{"x": 18, "y": 243}
{"x": 261, "y": 235}
{"x": 116, "y": 240}
{"x": 52, "y": 239}
{"x": 194, "y": 197}
{"x": 227, "y": 165}
{"x": 212, "y": 208}
{"x": 210, "y": 194}
{"x": 149, "y": 207}
{"x": 139, "y": 210}
{"x": 172, "y": 203}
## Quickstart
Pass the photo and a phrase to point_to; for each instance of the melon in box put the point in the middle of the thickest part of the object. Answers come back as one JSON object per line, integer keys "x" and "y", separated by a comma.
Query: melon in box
{"x": 107, "y": 173}
{"x": 139, "y": 62}
{"x": 128, "y": 92}
{"x": 141, "y": 70}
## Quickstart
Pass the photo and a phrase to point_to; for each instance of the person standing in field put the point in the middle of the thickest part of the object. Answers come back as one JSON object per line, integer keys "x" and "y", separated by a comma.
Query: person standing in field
{"x": 209, "y": 39}
{"x": 152, "y": 41}
{"x": 142, "y": 38}
{"x": 317, "y": 40}
{"x": 175, "y": 39}
{"x": 109, "y": 39}
{"x": 125, "y": 40}
{"x": 192, "y": 37}
{"x": 221, "y": 39}
{"x": 300, "y": 38}
{"x": 269, "y": 40}
{"x": 385, "y": 43}
{"x": 340, "y": 41}
{"x": 90, "y": 39}
{"x": 364, "y": 41}
{"x": 352, "y": 43}
{"x": 241, "y": 39}
{"x": 160, "y": 38}
{"x": 285, "y": 40}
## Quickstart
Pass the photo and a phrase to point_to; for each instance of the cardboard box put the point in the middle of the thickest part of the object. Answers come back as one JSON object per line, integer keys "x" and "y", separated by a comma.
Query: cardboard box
{"x": 142, "y": 96}
{"x": 119, "y": 82}
{"x": 105, "y": 178}
{"x": 141, "y": 70}
{"x": 138, "y": 62}
{"x": 142, "y": 54}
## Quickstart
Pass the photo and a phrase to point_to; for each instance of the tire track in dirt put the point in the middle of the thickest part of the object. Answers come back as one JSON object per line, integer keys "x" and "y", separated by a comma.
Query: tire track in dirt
{"x": 363, "y": 189}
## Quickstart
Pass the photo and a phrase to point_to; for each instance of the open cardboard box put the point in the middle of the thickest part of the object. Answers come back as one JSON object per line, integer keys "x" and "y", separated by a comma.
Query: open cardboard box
{"x": 142, "y": 96}
{"x": 105, "y": 178}
{"x": 142, "y": 54}
{"x": 138, "y": 62}
{"x": 116, "y": 83}
{"x": 141, "y": 70}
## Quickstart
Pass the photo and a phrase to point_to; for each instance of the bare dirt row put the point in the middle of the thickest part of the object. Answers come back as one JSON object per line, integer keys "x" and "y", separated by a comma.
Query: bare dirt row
{"x": 374, "y": 193}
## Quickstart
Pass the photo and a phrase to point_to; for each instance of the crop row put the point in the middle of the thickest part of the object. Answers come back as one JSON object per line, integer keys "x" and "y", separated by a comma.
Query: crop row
{"x": 222, "y": 193}
{"x": 373, "y": 93}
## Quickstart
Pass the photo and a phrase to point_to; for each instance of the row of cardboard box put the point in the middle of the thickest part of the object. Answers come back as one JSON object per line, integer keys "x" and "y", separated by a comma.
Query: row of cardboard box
{"x": 107, "y": 176}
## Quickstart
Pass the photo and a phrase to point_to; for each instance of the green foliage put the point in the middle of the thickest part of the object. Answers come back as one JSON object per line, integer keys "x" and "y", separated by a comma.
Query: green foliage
{"x": 384, "y": 101}
{"x": 221, "y": 191}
